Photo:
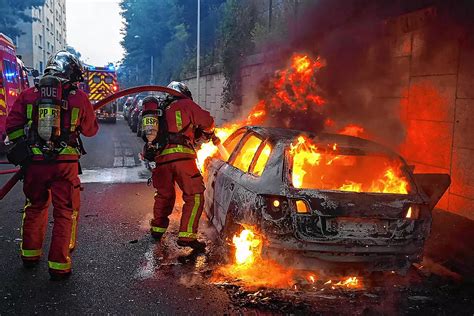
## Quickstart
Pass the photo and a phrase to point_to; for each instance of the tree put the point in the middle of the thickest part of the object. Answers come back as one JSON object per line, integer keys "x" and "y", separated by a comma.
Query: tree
{"x": 238, "y": 22}
{"x": 165, "y": 31}
{"x": 14, "y": 11}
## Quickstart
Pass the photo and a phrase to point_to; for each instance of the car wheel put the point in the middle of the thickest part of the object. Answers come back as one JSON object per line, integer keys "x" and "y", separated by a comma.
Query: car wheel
{"x": 230, "y": 230}
{"x": 114, "y": 121}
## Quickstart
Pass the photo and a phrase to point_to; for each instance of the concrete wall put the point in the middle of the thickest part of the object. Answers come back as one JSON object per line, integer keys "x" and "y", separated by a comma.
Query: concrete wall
{"x": 436, "y": 99}
{"x": 210, "y": 96}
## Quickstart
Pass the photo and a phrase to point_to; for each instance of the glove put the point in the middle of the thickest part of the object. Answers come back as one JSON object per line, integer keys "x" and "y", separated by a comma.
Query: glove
{"x": 149, "y": 152}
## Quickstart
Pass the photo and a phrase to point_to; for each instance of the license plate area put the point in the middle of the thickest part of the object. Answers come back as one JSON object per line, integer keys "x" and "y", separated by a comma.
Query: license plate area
{"x": 357, "y": 227}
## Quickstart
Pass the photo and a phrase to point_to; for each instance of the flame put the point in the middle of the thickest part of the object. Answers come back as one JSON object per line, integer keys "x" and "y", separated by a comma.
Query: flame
{"x": 246, "y": 245}
{"x": 209, "y": 149}
{"x": 310, "y": 168}
{"x": 250, "y": 268}
{"x": 352, "y": 130}
{"x": 352, "y": 282}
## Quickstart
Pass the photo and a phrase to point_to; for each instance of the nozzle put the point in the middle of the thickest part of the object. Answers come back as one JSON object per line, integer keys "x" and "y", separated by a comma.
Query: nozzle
{"x": 215, "y": 140}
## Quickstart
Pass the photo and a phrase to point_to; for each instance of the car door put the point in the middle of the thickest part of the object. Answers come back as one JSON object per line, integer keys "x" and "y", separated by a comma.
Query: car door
{"x": 230, "y": 176}
{"x": 215, "y": 181}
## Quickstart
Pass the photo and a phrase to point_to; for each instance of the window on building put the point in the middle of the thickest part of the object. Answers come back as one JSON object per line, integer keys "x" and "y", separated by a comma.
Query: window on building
{"x": 47, "y": 24}
{"x": 40, "y": 40}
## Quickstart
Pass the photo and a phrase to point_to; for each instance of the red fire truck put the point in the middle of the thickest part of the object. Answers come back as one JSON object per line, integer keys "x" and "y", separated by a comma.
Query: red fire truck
{"x": 13, "y": 80}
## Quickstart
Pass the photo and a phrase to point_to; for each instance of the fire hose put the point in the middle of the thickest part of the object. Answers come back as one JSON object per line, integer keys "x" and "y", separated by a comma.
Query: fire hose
{"x": 19, "y": 172}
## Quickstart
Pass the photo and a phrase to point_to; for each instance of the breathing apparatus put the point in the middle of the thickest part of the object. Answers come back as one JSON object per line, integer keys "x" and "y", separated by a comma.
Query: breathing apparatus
{"x": 49, "y": 107}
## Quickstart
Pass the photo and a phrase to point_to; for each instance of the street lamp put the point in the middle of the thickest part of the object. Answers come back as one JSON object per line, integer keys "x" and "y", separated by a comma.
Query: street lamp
{"x": 198, "y": 47}
{"x": 151, "y": 64}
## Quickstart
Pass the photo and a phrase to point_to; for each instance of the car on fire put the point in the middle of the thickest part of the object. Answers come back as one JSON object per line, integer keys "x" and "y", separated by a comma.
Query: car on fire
{"x": 322, "y": 200}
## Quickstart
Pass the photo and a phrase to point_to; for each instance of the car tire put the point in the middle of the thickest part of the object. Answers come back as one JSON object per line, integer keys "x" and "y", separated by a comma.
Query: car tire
{"x": 114, "y": 121}
{"x": 227, "y": 234}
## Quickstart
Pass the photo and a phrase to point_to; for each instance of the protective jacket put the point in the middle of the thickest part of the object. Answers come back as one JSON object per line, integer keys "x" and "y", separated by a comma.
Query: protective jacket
{"x": 51, "y": 180}
{"x": 183, "y": 117}
{"x": 78, "y": 117}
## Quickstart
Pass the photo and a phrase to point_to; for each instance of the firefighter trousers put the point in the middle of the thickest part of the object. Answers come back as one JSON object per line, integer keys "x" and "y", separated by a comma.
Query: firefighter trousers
{"x": 186, "y": 174}
{"x": 45, "y": 183}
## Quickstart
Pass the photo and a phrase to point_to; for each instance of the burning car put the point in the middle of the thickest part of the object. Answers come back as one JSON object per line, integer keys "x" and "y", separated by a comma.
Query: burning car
{"x": 322, "y": 200}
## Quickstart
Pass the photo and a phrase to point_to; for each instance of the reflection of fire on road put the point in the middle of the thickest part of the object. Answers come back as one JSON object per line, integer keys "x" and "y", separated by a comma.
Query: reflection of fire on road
{"x": 249, "y": 269}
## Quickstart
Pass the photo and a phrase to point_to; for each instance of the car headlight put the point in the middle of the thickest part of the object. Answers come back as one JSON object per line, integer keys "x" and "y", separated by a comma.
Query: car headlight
{"x": 413, "y": 212}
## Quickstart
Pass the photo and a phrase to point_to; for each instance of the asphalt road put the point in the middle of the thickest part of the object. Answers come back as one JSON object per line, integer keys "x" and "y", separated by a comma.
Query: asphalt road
{"x": 118, "y": 269}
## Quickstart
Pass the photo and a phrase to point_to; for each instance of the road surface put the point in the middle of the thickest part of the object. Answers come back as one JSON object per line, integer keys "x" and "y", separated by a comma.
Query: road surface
{"x": 118, "y": 269}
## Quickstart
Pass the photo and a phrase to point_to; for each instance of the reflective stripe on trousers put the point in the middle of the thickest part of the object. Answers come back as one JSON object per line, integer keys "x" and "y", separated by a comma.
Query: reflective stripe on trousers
{"x": 189, "y": 233}
{"x": 27, "y": 253}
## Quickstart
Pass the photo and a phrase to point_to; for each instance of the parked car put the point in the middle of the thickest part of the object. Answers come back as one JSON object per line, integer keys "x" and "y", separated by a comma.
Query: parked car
{"x": 126, "y": 107}
{"x": 132, "y": 107}
{"x": 323, "y": 222}
{"x": 134, "y": 115}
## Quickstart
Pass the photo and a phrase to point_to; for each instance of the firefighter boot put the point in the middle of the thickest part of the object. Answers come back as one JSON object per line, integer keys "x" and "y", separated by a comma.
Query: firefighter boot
{"x": 157, "y": 236}
{"x": 195, "y": 244}
{"x": 30, "y": 264}
{"x": 59, "y": 276}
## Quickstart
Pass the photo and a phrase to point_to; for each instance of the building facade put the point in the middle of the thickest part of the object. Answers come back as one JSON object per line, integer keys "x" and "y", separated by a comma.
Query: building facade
{"x": 44, "y": 36}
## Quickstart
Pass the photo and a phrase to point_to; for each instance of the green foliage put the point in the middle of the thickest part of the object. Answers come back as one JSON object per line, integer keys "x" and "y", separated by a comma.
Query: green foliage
{"x": 12, "y": 12}
{"x": 166, "y": 31}
{"x": 238, "y": 22}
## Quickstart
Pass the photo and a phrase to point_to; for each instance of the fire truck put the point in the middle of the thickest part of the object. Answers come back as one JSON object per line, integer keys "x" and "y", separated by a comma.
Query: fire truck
{"x": 13, "y": 80}
{"x": 100, "y": 82}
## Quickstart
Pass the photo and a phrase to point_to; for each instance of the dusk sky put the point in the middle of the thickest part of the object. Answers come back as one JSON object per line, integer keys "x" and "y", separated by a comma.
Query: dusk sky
{"x": 94, "y": 29}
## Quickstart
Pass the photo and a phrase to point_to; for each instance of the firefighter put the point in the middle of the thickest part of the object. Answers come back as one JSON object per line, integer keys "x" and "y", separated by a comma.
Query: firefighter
{"x": 45, "y": 123}
{"x": 179, "y": 121}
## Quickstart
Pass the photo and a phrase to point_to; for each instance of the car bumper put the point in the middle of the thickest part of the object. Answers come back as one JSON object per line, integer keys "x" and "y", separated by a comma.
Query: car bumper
{"x": 342, "y": 254}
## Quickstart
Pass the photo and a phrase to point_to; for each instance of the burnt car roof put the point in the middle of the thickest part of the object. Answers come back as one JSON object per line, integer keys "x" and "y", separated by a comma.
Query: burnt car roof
{"x": 285, "y": 135}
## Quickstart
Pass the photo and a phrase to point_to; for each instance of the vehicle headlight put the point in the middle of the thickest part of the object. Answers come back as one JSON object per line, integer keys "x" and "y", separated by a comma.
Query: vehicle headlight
{"x": 413, "y": 212}
{"x": 301, "y": 207}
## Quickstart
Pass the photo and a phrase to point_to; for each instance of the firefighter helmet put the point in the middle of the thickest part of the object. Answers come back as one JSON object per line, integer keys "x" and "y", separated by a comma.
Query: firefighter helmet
{"x": 181, "y": 87}
{"x": 65, "y": 65}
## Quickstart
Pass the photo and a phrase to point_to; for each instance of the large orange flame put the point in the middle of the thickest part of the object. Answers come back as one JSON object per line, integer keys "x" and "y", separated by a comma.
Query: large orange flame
{"x": 310, "y": 169}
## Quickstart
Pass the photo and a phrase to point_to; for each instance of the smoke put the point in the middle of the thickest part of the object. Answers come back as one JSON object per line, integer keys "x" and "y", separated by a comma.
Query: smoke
{"x": 366, "y": 73}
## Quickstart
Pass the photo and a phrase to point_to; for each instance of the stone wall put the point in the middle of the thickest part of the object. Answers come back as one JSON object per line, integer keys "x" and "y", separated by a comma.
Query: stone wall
{"x": 437, "y": 106}
{"x": 210, "y": 96}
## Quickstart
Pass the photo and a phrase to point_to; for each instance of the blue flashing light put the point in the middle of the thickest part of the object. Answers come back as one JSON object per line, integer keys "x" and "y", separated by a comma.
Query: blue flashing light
{"x": 111, "y": 67}
{"x": 91, "y": 67}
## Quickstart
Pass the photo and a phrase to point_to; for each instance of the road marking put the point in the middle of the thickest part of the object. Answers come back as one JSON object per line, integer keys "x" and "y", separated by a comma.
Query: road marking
{"x": 136, "y": 174}
{"x": 118, "y": 162}
{"x": 129, "y": 162}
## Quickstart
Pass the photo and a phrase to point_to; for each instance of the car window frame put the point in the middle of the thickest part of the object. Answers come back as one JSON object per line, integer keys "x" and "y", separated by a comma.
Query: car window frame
{"x": 239, "y": 147}
{"x": 260, "y": 148}
{"x": 235, "y": 134}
